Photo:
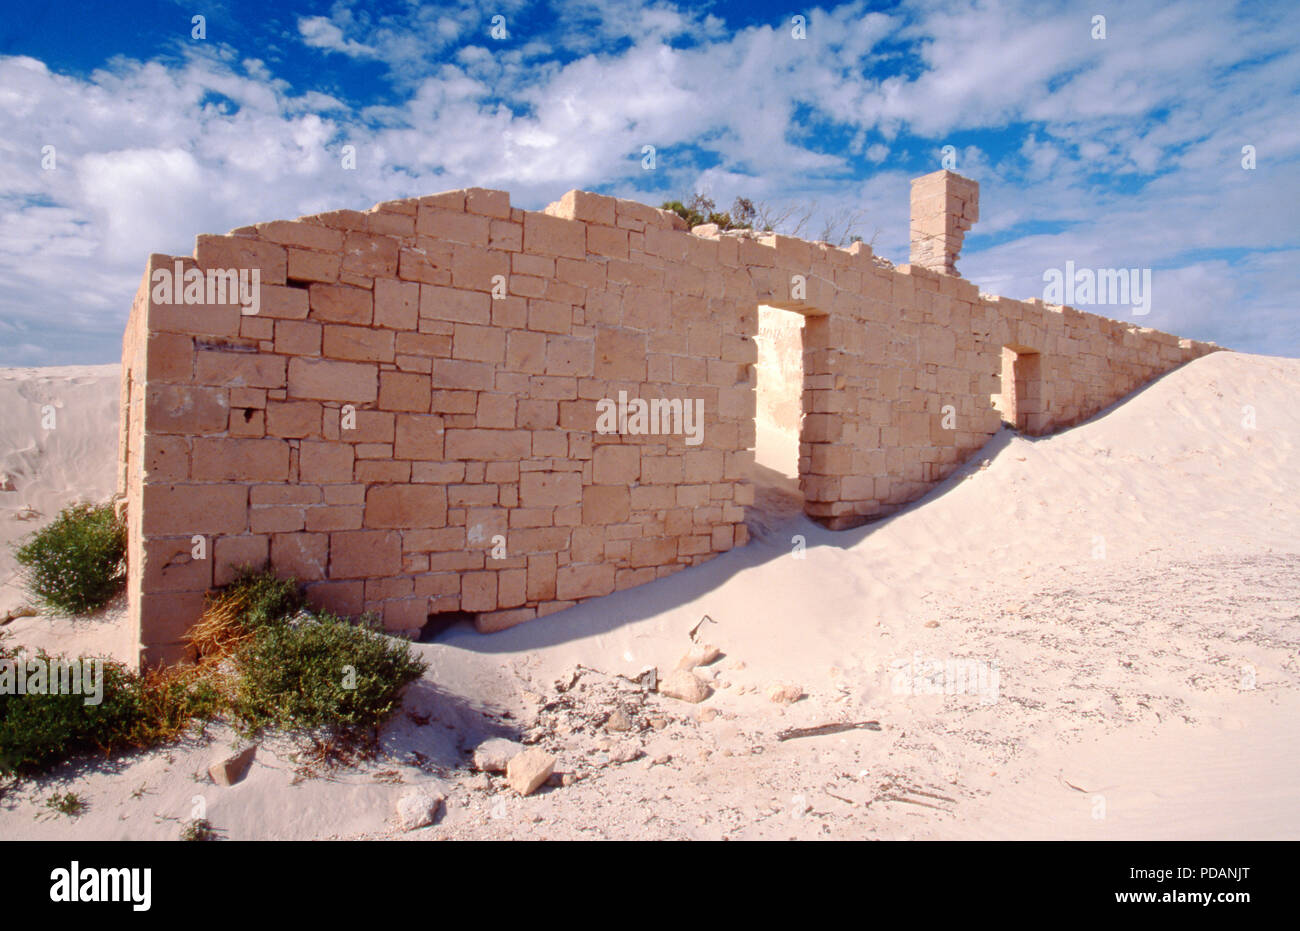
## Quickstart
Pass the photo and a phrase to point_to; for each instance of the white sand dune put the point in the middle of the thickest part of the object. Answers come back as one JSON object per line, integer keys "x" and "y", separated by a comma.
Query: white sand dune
{"x": 58, "y": 444}
{"x": 1129, "y": 586}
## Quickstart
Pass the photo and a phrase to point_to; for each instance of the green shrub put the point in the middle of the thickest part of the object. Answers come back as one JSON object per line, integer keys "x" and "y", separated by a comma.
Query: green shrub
{"x": 38, "y": 731}
{"x": 76, "y": 563}
{"x": 172, "y": 698}
{"x": 262, "y": 598}
{"x": 701, "y": 209}
{"x": 320, "y": 673}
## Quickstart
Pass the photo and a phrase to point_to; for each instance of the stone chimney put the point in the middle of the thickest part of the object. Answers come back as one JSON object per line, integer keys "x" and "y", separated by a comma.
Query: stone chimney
{"x": 944, "y": 205}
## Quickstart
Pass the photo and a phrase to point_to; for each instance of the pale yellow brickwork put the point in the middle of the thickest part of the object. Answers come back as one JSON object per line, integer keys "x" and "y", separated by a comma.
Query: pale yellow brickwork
{"x": 408, "y": 425}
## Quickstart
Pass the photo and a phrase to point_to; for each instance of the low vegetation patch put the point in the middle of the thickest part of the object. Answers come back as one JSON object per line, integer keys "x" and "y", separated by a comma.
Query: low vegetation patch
{"x": 701, "y": 209}
{"x": 234, "y": 613}
{"x": 803, "y": 219}
{"x": 76, "y": 563}
{"x": 199, "y": 829}
{"x": 283, "y": 668}
{"x": 46, "y": 724}
{"x": 321, "y": 673}
{"x": 265, "y": 663}
{"x": 69, "y": 804}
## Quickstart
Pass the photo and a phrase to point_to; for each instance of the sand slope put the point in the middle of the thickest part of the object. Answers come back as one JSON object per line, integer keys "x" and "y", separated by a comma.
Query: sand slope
{"x": 1129, "y": 587}
{"x": 58, "y": 444}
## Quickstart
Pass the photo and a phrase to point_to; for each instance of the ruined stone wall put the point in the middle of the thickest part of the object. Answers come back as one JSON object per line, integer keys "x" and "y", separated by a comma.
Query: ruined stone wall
{"x": 900, "y": 347}
{"x": 409, "y": 423}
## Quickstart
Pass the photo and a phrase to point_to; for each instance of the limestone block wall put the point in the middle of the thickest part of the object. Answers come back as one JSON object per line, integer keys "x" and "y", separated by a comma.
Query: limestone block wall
{"x": 411, "y": 422}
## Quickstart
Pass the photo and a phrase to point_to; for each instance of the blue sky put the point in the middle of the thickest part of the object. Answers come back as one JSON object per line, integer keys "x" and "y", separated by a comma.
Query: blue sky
{"x": 1122, "y": 152}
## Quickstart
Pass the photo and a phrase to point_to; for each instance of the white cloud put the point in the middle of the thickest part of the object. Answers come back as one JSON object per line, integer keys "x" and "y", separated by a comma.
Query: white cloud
{"x": 319, "y": 32}
{"x": 144, "y": 164}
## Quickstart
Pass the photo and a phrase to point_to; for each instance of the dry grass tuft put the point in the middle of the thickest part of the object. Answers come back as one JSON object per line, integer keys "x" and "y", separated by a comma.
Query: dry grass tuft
{"x": 220, "y": 632}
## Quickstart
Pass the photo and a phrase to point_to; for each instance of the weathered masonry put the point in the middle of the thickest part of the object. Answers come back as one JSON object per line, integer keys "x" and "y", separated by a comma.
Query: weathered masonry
{"x": 409, "y": 423}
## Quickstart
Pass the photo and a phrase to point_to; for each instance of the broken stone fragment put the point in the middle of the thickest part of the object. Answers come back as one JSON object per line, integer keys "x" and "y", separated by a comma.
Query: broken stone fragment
{"x": 624, "y": 752}
{"x": 700, "y": 654}
{"x": 618, "y": 721}
{"x": 684, "y": 685}
{"x": 784, "y": 692}
{"x": 528, "y": 770}
{"x": 492, "y": 756}
{"x": 647, "y": 680}
{"x": 418, "y": 808}
{"x": 231, "y": 769}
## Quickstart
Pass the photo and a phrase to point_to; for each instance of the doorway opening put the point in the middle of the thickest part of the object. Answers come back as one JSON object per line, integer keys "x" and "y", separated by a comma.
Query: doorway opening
{"x": 778, "y": 390}
{"x": 778, "y": 419}
{"x": 1020, "y": 396}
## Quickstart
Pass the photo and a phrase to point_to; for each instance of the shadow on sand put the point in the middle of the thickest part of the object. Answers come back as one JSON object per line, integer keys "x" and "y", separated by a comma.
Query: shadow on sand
{"x": 773, "y": 520}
